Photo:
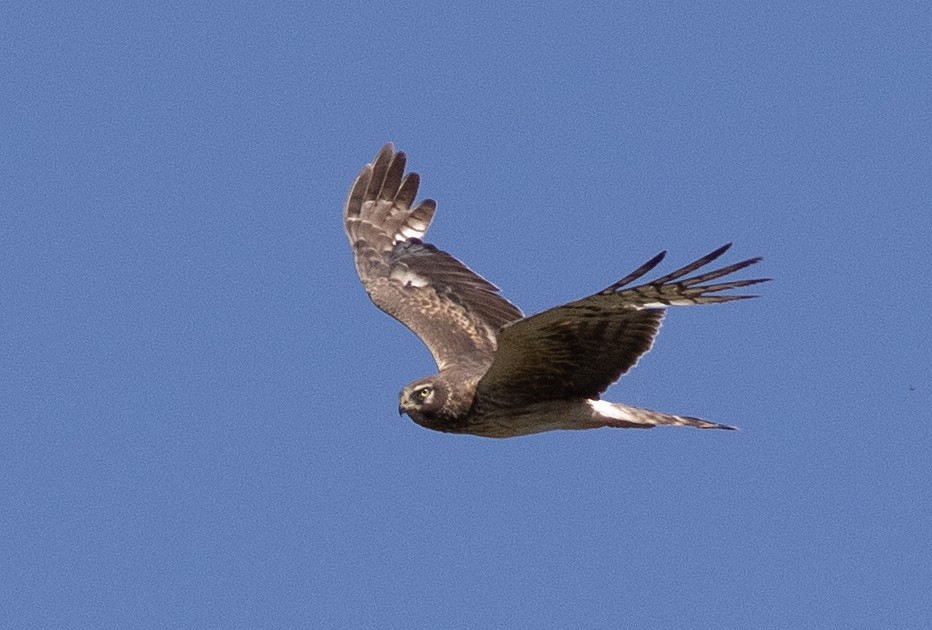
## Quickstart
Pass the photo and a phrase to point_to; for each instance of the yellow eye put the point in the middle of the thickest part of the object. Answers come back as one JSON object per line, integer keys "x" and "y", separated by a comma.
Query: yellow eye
{"x": 422, "y": 393}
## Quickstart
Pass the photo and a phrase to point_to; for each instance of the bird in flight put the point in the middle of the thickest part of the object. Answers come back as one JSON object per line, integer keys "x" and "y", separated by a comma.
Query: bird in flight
{"x": 502, "y": 374}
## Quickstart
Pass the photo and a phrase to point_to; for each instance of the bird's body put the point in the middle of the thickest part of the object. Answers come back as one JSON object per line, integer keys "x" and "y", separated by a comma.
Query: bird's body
{"x": 502, "y": 374}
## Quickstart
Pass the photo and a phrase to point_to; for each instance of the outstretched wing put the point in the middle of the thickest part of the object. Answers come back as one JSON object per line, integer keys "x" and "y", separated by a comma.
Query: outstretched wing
{"x": 454, "y": 311}
{"x": 577, "y": 350}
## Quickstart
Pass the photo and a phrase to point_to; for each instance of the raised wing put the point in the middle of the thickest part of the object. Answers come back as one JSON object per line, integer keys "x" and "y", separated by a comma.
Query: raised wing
{"x": 577, "y": 350}
{"x": 454, "y": 311}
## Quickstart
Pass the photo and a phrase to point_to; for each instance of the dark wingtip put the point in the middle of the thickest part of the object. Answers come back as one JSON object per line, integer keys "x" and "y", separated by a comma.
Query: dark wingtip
{"x": 718, "y": 252}
{"x": 634, "y": 275}
{"x": 385, "y": 153}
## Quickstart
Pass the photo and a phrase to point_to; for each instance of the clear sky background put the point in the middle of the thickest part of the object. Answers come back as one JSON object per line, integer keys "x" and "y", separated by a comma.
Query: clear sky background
{"x": 198, "y": 421}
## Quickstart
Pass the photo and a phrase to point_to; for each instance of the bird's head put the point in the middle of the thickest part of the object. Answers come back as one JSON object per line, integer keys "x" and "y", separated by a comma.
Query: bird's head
{"x": 423, "y": 399}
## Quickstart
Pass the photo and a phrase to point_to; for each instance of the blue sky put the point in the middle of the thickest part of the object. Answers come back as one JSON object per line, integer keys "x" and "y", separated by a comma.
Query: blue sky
{"x": 197, "y": 400}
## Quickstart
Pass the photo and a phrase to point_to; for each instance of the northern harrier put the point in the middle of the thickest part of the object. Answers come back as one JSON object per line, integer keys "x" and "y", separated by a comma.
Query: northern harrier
{"x": 502, "y": 374}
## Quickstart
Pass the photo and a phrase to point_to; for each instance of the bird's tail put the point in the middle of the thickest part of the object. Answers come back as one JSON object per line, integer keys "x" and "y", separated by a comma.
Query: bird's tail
{"x": 609, "y": 414}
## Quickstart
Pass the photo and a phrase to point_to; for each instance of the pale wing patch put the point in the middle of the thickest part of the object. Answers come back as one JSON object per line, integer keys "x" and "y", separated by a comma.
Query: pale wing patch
{"x": 683, "y": 302}
{"x": 411, "y": 229}
{"x": 408, "y": 278}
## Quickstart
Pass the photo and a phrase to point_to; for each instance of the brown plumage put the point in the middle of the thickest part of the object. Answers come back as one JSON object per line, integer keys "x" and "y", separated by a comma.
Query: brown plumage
{"x": 502, "y": 374}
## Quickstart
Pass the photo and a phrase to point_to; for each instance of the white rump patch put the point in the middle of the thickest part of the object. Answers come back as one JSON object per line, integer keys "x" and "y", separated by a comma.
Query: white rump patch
{"x": 607, "y": 409}
{"x": 408, "y": 278}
